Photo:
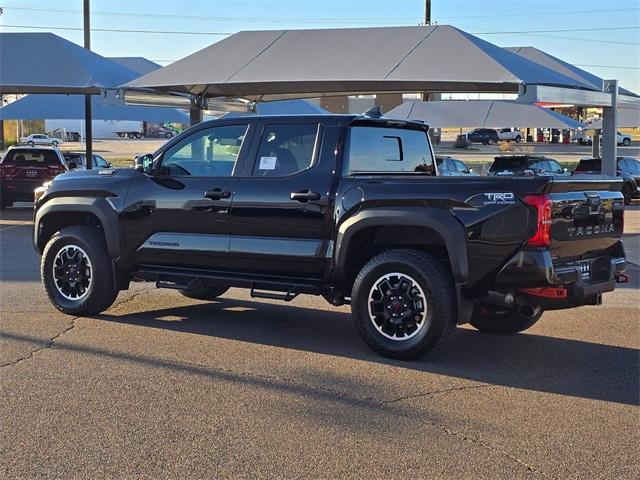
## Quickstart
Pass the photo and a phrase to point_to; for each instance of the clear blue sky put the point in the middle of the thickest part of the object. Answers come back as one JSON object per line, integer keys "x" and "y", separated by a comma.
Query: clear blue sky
{"x": 607, "y": 53}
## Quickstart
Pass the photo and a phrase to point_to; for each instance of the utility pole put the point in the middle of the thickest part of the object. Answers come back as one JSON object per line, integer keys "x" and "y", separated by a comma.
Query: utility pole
{"x": 427, "y": 12}
{"x": 88, "y": 126}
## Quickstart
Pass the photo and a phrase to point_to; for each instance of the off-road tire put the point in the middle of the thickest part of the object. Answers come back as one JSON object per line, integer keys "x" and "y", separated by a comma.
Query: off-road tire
{"x": 102, "y": 291}
{"x": 204, "y": 293}
{"x": 503, "y": 322}
{"x": 435, "y": 281}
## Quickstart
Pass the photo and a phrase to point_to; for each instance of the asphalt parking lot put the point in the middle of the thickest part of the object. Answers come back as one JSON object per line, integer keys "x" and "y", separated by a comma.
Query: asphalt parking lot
{"x": 161, "y": 386}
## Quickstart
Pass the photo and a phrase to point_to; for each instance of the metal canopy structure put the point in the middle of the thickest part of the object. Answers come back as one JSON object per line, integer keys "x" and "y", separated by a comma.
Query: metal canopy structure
{"x": 564, "y": 68}
{"x": 47, "y": 63}
{"x": 280, "y": 64}
{"x": 627, "y": 118}
{"x": 482, "y": 113}
{"x": 139, "y": 65}
{"x": 34, "y": 107}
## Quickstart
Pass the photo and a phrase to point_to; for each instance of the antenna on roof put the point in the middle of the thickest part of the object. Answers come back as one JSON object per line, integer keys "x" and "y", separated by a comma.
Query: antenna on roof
{"x": 374, "y": 112}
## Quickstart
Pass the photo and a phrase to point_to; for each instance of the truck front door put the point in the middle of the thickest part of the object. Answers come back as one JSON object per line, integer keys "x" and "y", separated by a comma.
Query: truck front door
{"x": 281, "y": 212}
{"x": 180, "y": 214}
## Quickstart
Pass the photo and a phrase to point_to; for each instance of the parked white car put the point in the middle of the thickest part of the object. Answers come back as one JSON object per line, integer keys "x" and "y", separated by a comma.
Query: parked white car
{"x": 510, "y": 134}
{"x": 623, "y": 139}
{"x": 40, "y": 139}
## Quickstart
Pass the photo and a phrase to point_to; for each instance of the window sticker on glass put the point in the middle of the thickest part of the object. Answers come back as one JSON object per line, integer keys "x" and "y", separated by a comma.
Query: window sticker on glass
{"x": 268, "y": 163}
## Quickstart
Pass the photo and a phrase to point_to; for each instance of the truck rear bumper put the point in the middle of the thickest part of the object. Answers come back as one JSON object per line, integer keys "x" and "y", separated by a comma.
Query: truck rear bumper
{"x": 534, "y": 269}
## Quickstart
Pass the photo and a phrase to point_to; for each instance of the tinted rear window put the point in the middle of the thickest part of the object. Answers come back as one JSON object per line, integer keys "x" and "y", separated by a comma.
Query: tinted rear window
{"x": 388, "y": 150}
{"x": 590, "y": 165}
{"x": 510, "y": 164}
{"x": 31, "y": 157}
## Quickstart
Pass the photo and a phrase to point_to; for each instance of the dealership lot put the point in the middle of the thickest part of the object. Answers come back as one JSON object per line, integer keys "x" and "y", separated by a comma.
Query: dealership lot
{"x": 162, "y": 386}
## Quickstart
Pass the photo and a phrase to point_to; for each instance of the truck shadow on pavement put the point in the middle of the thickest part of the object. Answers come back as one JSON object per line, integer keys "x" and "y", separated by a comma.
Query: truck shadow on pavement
{"x": 525, "y": 361}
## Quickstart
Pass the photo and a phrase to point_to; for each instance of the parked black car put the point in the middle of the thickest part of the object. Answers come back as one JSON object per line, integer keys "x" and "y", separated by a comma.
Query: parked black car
{"x": 527, "y": 165}
{"x": 347, "y": 207}
{"x": 452, "y": 167}
{"x": 483, "y": 135}
{"x": 628, "y": 169}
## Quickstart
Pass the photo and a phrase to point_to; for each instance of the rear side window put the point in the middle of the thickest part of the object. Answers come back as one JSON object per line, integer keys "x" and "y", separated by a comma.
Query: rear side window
{"x": 388, "y": 150}
{"x": 31, "y": 157}
{"x": 285, "y": 149}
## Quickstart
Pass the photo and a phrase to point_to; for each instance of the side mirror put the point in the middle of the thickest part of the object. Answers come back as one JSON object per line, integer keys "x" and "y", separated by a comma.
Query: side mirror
{"x": 109, "y": 165}
{"x": 72, "y": 165}
{"x": 565, "y": 170}
{"x": 143, "y": 163}
{"x": 471, "y": 170}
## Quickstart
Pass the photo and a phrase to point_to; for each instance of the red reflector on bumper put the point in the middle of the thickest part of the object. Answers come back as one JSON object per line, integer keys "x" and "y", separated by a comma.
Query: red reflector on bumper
{"x": 622, "y": 278}
{"x": 546, "y": 292}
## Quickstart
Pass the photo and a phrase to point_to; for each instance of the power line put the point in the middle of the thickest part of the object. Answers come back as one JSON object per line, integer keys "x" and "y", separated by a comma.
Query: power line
{"x": 176, "y": 32}
{"x": 120, "y": 30}
{"x": 594, "y": 40}
{"x": 315, "y": 19}
{"x": 595, "y": 29}
{"x": 605, "y": 66}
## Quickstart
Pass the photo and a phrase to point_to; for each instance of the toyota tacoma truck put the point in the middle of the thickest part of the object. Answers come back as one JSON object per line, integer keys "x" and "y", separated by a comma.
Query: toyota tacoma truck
{"x": 346, "y": 207}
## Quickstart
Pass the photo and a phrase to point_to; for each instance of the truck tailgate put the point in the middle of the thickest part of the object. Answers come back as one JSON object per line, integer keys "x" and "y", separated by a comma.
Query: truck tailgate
{"x": 587, "y": 217}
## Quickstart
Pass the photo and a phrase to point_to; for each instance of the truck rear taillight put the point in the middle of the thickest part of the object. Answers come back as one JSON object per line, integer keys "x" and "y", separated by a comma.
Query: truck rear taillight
{"x": 542, "y": 204}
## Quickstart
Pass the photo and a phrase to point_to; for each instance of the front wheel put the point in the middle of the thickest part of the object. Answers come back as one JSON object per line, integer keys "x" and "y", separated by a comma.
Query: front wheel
{"x": 31, "y": 144}
{"x": 626, "y": 142}
{"x": 403, "y": 303}
{"x": 54, "y": 144}
{"x": 505, "y": 322}
{"x": 76, "y": 271}
{"x": 518, "y": 139}
{"x": 204, "y": 293}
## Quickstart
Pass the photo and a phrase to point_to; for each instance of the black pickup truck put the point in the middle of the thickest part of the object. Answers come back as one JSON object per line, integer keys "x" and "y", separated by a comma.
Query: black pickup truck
{"x": 343, "y": 206}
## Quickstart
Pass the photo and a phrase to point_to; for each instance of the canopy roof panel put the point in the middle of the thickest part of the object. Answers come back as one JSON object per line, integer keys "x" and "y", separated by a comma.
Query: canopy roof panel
{"x": 562, "y": 67}
{"x": 482, "y": 113}
{"x": 59, "y": 107}
{"x": 31, "y": 63}
{"x": 139, "y": 65}
{"x": 271, "y": 65}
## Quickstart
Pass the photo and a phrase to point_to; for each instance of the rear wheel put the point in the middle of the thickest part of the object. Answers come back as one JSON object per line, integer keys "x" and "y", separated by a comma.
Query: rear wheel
{"x": 403, "y": 303}
{"x": 485, "y": 142}
{"x": 168, "y": 135}
{"x": 204, "y": 293}
{"x": 518, "y": 139}
{"x": 138, "y": 135}
{"x": 76, "y": 271}
{"x": 505, "y": 322}
{"x": 54, "y": 144}
{"x": 131, "y": 135}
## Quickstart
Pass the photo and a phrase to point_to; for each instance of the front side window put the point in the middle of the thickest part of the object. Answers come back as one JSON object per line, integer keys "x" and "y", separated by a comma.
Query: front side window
{"x": 211, "y": 152}
{"x": 285, "y": 149}
{"x": 388, "y": 150}
{"x": 555, "y": 166}
{"x": 461, "y": 167}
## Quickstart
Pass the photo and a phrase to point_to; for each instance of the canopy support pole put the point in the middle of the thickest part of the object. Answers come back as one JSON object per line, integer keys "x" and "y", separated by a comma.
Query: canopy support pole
{"x": 609, "y": 130}
{"x": 595, "y": 145}
{"x": 88, "y": 126}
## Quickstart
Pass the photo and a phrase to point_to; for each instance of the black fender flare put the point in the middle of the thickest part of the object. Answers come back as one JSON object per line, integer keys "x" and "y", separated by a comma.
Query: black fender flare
{"x": 441, "y": 221}
{"x": 97, "y": 206}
